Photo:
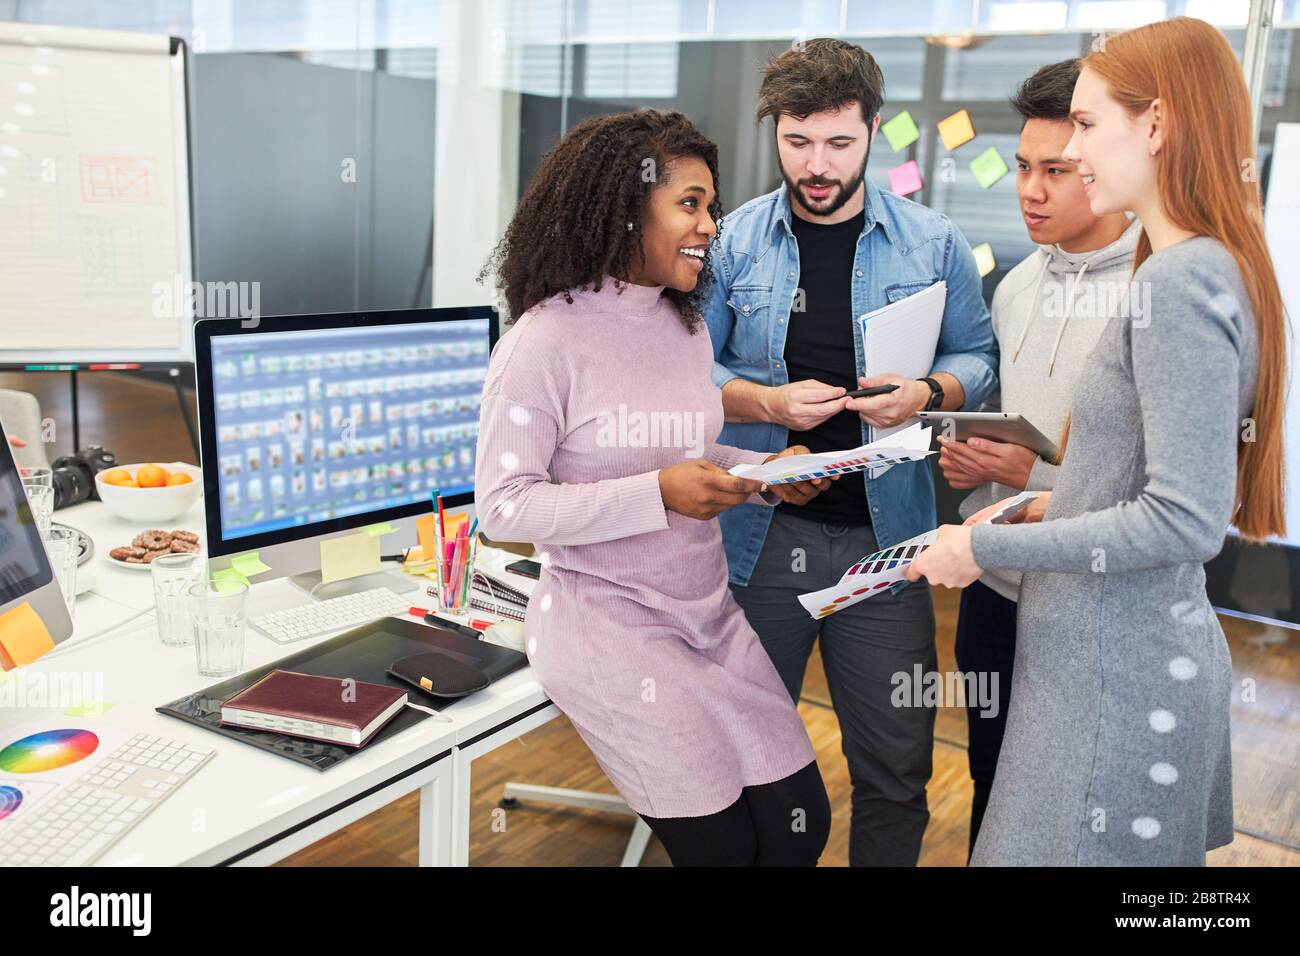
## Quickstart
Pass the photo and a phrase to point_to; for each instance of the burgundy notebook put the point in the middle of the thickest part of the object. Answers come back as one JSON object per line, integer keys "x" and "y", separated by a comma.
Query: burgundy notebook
{"x": 346, "y": 712}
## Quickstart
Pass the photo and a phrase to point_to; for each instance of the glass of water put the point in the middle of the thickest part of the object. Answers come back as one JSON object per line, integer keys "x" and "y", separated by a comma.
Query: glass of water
{"x": 63, "y": 547}
{"x": 172, "y": 576}
{"x": 39, "y": 485}
{"x": 218, "y": 615}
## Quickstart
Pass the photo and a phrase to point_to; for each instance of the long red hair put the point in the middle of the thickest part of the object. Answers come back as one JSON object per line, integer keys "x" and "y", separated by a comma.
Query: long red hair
{"x": 1206, "y": 182}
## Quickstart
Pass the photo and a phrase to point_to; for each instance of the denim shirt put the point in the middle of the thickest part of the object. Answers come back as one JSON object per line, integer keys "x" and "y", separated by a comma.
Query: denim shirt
{"x": 904, "y": 248}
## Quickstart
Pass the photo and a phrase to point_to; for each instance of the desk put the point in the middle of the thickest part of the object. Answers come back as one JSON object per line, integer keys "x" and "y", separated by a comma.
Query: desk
{"x": 248, "y": 807}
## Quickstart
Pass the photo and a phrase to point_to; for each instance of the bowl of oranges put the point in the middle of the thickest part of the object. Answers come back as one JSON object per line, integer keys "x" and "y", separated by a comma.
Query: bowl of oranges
{"x": 150, "y": 492}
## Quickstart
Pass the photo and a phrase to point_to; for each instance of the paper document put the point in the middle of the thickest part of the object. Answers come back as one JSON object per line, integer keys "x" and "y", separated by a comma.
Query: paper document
{"x": 912, "y": 444}
{"x": 869, "y": 575}
{"x": 901, "y": 338}
{"x": 1016, "y": 505}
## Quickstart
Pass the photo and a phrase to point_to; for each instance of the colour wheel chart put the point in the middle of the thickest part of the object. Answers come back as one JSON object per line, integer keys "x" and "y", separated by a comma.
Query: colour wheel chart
{"x": 871, "y": 574}
{"x": 19, "y": 796}
{"x": 48, "y": 750}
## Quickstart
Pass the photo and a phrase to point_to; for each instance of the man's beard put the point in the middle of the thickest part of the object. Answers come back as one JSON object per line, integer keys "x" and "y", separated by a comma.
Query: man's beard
{"x": 847, "y": 191}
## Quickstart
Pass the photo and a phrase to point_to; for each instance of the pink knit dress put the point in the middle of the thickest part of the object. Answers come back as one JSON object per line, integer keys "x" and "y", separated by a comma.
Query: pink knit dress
{"x": 632, "y": 630}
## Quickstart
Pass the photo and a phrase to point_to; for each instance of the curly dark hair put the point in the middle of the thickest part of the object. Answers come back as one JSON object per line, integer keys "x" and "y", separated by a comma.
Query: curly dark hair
{"x": 570, "y": 227}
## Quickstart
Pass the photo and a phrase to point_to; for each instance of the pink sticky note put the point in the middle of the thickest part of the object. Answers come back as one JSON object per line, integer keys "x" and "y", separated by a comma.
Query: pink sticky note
{"x": 906, "y": 178}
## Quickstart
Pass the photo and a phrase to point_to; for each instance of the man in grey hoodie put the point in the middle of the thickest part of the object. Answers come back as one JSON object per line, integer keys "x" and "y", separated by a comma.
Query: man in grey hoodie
{"x": 1048, "y": 313}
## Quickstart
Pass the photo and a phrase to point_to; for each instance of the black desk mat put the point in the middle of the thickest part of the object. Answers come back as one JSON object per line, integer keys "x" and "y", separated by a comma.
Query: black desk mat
{"x": 363, "y": 654}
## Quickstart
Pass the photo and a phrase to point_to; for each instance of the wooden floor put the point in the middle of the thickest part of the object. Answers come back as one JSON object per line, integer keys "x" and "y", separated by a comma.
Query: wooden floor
{"x": 140, "y": 422}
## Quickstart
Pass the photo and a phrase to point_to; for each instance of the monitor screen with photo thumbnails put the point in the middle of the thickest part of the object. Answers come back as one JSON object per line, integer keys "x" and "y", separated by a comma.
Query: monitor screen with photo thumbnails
{"x": 318, "y": 424}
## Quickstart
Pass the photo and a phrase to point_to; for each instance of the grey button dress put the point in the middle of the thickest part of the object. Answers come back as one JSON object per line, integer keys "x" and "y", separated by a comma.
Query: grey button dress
{"x": 1117, "y": 748}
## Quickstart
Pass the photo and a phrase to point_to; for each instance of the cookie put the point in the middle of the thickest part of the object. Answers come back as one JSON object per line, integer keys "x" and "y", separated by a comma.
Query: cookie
{"x": 152, "y": 540}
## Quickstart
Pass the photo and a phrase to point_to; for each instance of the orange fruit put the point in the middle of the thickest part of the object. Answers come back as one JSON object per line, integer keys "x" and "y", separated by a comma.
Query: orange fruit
{"x": 178, "y": 478}
{"x": 151, "y": 476}
{"x": 116, "y": 476}
{"x": 130, "y": 483}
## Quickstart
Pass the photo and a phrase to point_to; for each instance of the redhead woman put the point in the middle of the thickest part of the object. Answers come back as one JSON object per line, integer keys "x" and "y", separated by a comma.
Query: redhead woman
{"x": 1117, "y": 746}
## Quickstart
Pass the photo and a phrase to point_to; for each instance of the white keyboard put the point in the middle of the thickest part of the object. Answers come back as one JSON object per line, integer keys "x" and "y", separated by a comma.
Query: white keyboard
{"x": 327, "y": 617}
{"x": 74, "y": 826}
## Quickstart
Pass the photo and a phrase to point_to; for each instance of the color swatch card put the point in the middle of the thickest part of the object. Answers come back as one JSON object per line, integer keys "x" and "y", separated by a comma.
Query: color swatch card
{"x": 872, "y": 574}
{"x": 911, "y": 444}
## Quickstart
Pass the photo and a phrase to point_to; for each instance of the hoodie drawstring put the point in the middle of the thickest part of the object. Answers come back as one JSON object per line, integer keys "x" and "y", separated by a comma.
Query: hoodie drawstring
{"x": 1069, "y": 310}
{"x": 1033, "y": 307}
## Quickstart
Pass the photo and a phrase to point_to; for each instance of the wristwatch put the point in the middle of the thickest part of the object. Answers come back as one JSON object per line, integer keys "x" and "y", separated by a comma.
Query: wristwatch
{"x": 936, "y": 394}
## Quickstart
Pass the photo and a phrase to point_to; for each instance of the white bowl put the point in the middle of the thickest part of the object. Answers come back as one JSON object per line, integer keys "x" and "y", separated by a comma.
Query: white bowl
{"x": 151, "y": 505}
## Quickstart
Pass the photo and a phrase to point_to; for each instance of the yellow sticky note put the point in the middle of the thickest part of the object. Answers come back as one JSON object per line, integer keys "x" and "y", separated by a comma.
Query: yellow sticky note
{"x": 248, "y": 564}
{"x": 454, "y": 522}
{"x": 348, "y": 557}
{"x": 956, "y": 129}
{"x": 23, "y": 636}
{"x": 984, "y": 259}
{"x": 381, "y": 529}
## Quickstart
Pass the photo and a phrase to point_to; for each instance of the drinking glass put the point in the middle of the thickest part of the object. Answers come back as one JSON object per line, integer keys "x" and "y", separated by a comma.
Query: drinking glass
{"x": 38, "y": 483}
{"x": 218, "y": 613}
{"x": 172, "y": 576}
{"x": 63, "y": 547}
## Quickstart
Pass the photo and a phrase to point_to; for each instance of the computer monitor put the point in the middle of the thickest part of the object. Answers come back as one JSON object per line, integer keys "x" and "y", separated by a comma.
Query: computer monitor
{"x": 25, "y": 572}
{"x": 312, "y": 426}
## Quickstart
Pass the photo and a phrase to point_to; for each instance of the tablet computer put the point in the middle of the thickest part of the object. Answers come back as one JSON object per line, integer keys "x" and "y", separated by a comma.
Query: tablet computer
{"x": 996, "y": 426}
{"x": 25, "y": 573}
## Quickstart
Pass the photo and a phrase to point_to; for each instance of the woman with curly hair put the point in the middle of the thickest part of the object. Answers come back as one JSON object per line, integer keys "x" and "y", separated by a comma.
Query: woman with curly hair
{"x": 597, "y": 443}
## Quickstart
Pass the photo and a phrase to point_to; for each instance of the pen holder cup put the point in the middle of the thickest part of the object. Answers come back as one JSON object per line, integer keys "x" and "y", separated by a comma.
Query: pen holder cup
{"x": 454, "y": 575}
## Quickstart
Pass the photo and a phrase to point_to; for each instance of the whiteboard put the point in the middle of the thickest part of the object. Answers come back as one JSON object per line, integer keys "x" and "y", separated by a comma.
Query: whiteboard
{"x": 95, "y": 252}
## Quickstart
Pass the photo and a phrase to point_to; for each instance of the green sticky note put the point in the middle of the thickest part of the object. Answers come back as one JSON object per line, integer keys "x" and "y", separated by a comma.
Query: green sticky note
{"x": 901, "y": 131}
{"x": 988, "y": 167}
{"x": 227, "y": 580}
{"x": 348, "y": 557}
{"x": 248, "y": 564}
{"x": 88, "y": 710}
{"x": 379, "y": 530}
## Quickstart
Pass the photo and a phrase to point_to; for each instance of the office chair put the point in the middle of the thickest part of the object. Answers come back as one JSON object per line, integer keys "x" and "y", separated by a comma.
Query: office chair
{"x": 589, "y": 800}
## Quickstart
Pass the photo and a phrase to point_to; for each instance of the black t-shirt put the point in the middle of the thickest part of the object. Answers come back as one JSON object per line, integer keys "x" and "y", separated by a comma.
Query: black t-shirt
{"x": 819, "y": 344}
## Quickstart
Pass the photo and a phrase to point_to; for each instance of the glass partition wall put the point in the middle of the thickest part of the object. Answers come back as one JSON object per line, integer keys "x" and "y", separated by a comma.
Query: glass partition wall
{"x": 366, "y": 154}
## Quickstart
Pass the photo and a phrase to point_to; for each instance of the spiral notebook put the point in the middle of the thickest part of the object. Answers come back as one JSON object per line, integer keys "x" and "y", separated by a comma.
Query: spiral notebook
{"x": 495, "y": 596}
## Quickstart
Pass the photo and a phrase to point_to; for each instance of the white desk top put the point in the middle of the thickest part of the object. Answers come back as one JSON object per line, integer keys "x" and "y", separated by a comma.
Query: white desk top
{"x": 244, "y": 795}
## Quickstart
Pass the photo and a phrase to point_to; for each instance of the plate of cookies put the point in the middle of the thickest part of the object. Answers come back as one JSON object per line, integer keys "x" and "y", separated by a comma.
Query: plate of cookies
{"x": 151, "y": 544}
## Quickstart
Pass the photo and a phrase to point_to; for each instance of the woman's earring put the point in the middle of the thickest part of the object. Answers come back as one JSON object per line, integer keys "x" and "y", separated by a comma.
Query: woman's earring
{"x": 629, "y": 225}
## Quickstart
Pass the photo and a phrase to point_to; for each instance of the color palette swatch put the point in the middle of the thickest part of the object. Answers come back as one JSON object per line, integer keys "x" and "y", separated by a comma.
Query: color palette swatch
{"x": 17, "y": 797}
{"x": 48, "y": 750}
{"x": 871, "y": 574}
{"x": 11, "y": 798}
{"x": 910, "y": 444}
